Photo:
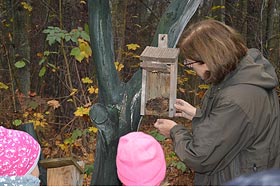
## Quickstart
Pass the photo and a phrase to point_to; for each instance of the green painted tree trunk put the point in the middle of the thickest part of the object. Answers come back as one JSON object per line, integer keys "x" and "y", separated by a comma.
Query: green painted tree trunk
{"x": 118, "y": 110}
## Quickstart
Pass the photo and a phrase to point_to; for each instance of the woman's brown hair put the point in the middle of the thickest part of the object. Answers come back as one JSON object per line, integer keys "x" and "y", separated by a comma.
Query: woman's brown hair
{"x": 219, "y": 46}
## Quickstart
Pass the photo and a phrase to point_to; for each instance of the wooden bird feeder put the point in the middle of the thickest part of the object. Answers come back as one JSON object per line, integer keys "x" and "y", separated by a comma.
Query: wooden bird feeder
{"x": 63, "y": 172}
{"x": 159, "y": 79}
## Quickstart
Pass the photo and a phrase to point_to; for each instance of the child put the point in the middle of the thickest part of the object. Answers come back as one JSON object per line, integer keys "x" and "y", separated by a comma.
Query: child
{"x": 19, "y": 155}
{"x": 140, "y": 160}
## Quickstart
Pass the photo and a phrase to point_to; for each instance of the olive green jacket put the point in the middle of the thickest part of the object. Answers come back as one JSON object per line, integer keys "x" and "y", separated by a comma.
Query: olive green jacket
{"x": 237, "y": 129}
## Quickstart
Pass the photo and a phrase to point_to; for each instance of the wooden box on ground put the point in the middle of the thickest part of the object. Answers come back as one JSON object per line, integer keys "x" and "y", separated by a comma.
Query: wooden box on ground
{"x": 63, "y": 172}
{"x": 159, "y": 80}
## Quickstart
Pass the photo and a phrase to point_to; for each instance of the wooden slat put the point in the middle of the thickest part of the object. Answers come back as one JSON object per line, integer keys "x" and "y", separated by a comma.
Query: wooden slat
{"x": 64, "y": 176}
{"x": 155, "y": 66}
{"x": 173, "y": 90}
{"x": 143, "y": 92}
{"x": 59, "y": 162}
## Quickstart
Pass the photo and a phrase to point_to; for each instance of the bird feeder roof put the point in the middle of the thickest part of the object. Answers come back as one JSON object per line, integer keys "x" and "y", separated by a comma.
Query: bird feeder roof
{"x": 159, "y": 54}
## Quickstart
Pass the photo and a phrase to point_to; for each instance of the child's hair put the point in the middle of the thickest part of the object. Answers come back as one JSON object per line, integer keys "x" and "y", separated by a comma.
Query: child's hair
{"x": 140, "y": 160}
{"x": 19, "y": 152}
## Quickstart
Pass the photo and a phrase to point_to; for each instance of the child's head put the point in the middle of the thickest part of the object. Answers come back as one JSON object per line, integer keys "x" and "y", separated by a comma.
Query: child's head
{"x": 19, "y": 153}
{"x": 140, "y": 160}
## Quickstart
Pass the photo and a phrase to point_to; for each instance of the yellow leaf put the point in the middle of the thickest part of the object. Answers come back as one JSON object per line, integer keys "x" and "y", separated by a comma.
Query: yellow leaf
{"x": 90, "y": 158}
{"x": 81, "y": 111}
{"x": 119, "y": 66}
{"x": 62, "y": 146}
{"x": 203, "y": 86}
{"x": 217, "y": 7}
{"x": 3, "y": 86}
{"x": 26, "y": 6}
{"x": 70, "y": 100}
{"x": 132, "y": 46}
{"x": 93, "y": 129}
{"x": 85, "y": 48}
{"x": 136, "y": 56}
{"x": 190, "y": 72}
{"x": 86, "y": 80}
{"x": 74, "y": 91}
{"x": 92, "y": 90}
{"x": 25, "y": 115}
{"x": 38, "y": 116}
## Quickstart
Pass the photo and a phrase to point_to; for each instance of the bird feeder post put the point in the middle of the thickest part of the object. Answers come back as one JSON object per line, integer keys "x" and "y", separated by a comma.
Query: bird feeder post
{"x": 159, "y": 79}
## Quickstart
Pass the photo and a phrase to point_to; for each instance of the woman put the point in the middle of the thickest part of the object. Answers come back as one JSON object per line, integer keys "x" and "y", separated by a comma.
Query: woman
{"x": 236, "y": 131}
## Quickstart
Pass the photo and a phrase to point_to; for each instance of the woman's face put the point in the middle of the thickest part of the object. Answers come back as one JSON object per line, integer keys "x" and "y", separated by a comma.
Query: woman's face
{"x": 199, "y": 67}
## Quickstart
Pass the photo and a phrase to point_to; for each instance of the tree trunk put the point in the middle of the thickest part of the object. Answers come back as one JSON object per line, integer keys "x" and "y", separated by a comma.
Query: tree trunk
{"x": 119, "y": 20}
{"x": 269, "y": 26}
{"x": 253, "y": 24}
{"x": 22, "y": 47}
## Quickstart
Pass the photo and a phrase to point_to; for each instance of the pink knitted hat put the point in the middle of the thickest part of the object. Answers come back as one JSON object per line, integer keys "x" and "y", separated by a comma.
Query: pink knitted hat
{"x": 19, "y": 152}
{"x": 140, "y": 160}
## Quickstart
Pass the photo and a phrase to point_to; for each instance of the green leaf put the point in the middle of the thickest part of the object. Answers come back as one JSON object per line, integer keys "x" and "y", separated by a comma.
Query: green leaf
{"x": 58, "y": 39}
{"x": 181, "y": 166}
{"x": 75, "y": 51}
{"x": 46, "y": 53}
{"x": 86, "y": 28}
{"x": 76, "y": 133}
{"x": 79, "y": 57}
{"x": 157, "y": 136}
{"x": 68, "y": 141}
{"x": 42, "y": 71}
{"x": 89, "y": 169}
{"x": 33, "y": 105}
{"x": 160, "y": 137}
{"x": 67, "y": 37}
{"x": 20, "y": 64}
{"x": 51, "y": 39}
{"x": 17, "y": 122}
{"x": 85, "y": 36}
{"x": 52, "y": 66}
{"x": 42, "y": 61}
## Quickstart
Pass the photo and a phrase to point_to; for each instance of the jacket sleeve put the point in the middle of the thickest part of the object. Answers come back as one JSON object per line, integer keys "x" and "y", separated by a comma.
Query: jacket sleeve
{"x": 216, "y": 139}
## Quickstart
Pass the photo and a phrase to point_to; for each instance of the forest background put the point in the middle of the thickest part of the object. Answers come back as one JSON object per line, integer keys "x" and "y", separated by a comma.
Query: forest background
{"x": 47, "y": 74}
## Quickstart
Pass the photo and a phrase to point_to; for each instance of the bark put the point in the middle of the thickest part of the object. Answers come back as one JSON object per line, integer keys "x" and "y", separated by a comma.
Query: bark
{"x": 269, "y": 25}
{"x": 235, "y": 15}
{"x": 22, "y": 46}
{"x": 253, "y": 24}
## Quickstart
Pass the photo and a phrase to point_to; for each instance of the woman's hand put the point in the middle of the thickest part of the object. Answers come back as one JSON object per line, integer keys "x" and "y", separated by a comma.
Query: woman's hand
{"x": 184, "y": 109}
{"x": 164, "y": 126}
